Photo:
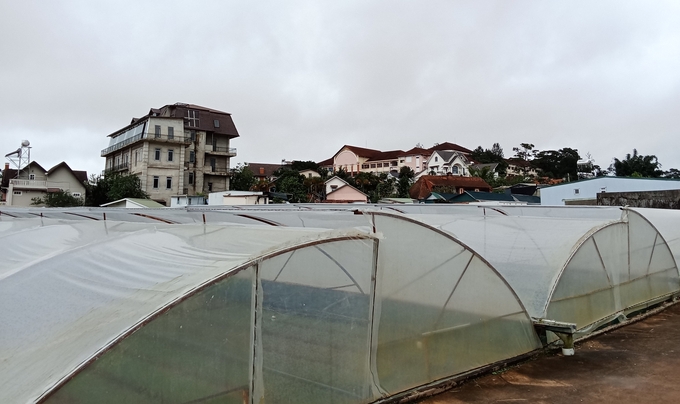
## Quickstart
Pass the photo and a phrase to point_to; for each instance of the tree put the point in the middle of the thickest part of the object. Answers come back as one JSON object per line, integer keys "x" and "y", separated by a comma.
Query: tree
{"x": 673, "y": 173}
{"x": 304, "y": 165}
{"x": 486, "y": 174}
{"x": 59, "y": 199}
{"x": 291, "y": 182}
{"x": 112, "y": 187}
{"x": 406, "y": 176}
{"x": 560, "y": 163}
{"x": 524, "y": 151}
{"x": 636, "y": 165}
{"x": 242, "y": 178}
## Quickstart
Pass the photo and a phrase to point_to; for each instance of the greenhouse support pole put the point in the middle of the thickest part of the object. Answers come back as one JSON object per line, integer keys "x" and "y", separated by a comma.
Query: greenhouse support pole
{"x": 564, "y": 331}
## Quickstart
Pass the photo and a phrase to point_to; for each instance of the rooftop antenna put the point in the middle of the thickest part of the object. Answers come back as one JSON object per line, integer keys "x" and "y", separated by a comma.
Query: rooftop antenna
{"x": 21, "y": 157}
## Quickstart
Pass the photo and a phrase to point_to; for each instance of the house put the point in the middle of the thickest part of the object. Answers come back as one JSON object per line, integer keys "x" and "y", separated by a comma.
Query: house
{"x": 585, "y": 191}
{"x": 493, "y": 198}
{"x": 427, "y": 184}
{"x": 519, "y": 167}
{"x": 339, "y": 191}
{"x": 133, "y": 203}
{"x": 177, "y": 201}
{"x": 264, "y": 171}
{"x": 444, "y": 162}
{"x": 33, "y": 181}
{"x": 238, "y": 198}
{"x": 178, "y": 149}
{"x": 353, "y": 159}
{"x": 309, "y": 173}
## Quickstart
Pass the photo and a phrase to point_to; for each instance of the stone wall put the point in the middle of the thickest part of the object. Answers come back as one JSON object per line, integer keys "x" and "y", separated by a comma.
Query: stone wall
{"x": 644, "y": 199}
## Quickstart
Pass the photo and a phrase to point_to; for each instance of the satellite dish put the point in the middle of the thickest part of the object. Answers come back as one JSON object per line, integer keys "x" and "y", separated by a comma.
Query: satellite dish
{"x": 25, "y": 143}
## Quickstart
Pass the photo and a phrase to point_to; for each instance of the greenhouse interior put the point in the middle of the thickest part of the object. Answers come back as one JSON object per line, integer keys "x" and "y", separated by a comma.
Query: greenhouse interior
{"x": 310, "y": 303}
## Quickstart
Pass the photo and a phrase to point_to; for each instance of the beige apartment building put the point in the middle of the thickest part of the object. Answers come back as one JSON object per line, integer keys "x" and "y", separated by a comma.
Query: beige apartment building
{"x": 179, "y": 149}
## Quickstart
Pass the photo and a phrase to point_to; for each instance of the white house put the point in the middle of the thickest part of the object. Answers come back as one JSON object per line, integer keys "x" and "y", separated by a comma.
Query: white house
{"x": 237, "y": 198}
{"x": 339, "y": 191}
{"x": 444, "y": 162}
{"x": 132, "y": 203}
{"x": 588, "y": 189}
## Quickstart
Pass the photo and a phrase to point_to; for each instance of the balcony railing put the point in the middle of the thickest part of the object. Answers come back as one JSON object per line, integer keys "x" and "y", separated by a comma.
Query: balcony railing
{"x": 218, "y": 169}
{"x": 116, "y": 168}
{"x": 227, "y": 151}
{"x": 38, "y": 184}
{"x": 150, "y": 137}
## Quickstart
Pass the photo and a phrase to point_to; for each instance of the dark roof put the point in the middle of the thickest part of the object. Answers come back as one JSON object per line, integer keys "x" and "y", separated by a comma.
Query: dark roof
{"x": 418, "y": 151}
{"x": 479, "y": 166}
{"x": 450, "y": 146}
{"x": 446, "y": 154}
{"x": 326, "y": 163}
{"x": 177, "y": 110}
{"x": 263, "y": 169}
{"x": 482, "y": 196}
{"x": 519, "y": 162}
{"x": 428, "y": 183}
{"x": 359, "y": 151}
{"x": 388, "y": 155}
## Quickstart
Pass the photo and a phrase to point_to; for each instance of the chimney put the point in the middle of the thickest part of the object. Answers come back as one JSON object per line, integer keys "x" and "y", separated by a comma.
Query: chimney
{"x": 261, "y": 170}
{"x": 6, "y": 166}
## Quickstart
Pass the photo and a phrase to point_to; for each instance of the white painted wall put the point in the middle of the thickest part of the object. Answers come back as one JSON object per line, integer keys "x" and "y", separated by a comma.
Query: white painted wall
{"x": 588, "y": 189}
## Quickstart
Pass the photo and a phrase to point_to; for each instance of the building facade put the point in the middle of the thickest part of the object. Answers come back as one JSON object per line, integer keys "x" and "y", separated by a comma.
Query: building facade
{"x": 179, "y": 149}
{"x": 33, "y": 181}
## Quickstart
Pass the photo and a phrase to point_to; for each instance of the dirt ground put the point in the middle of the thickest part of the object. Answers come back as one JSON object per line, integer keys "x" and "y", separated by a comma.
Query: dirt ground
{"x": 638, "y": 363}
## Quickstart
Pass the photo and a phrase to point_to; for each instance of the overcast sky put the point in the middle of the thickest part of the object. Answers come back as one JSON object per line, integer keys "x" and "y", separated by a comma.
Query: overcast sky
{"x": 303, "y": 78}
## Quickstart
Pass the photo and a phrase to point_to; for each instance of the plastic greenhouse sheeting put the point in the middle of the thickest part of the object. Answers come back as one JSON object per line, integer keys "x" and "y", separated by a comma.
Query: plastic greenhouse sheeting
{"x": 146, "y": 311}
{"x": 584, "y": 270}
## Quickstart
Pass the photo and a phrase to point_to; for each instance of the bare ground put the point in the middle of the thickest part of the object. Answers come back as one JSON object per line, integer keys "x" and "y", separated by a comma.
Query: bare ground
{"x": 638, "y": 363}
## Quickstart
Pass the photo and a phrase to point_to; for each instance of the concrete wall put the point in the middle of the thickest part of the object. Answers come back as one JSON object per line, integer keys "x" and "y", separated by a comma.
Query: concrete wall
{"x": 644, "y": 199}
{"x": 588, "y": 189}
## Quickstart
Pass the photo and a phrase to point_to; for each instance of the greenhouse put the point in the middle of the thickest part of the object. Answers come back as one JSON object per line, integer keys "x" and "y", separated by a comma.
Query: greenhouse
{"x": 307, "y": 303}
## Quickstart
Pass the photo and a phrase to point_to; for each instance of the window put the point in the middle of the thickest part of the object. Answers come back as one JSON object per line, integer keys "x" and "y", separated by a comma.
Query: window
{"x": 192, "y": 156}
{"x": 31, "y": 176}
{"x": 364, "y": 166}
{"x": 136, "y": 156}
{"x": 156, "y": 180}
{"x": 454, "y": 169}
{"x": 191, "y": 178}
{"x": 212, "y": 163}
{"x": 157, "y": 155}
{"x": 210, "y": 187}
{"x": 168, "y": 182}
{"x": 171, "y": 132}
{"x": 436, "y": 159}
{"x": 216, "y": 122}
{"x": 577, "y": 191}
{"x": 193, "y": 135}
{"x": 17, "y": 192}
{"x": 171, "y": 154}
{"x": 76, "y": 194}
{"x": 372, "y": 165}
{"x": 157, "y": 131}
{"x": 192, "y": 117}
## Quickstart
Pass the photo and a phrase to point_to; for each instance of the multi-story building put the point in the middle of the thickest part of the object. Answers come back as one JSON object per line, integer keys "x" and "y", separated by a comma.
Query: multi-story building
{"x": 179, "y": 149}
{"x": 353, "y": 159}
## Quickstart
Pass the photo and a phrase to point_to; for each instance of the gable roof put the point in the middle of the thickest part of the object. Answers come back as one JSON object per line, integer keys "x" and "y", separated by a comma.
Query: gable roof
{"x": 427, "y": 183}
{"x": 449, "y": 146}
{"x": 80, "y": 175}
{"x": 263, "y": 169}
{"x": 446, "y": 155}
{"x": 142, "y": 203}
{"x": 418, "y": 151}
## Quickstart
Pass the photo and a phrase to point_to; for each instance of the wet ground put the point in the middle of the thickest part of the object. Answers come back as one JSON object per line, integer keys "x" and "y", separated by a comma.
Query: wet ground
{"x": 638, "y": 363}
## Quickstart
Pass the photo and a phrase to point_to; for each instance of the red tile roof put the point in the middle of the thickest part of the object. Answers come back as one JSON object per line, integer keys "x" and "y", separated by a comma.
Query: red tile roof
{"x": 450, "y": 146}
{"x": 428, "y": 183}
